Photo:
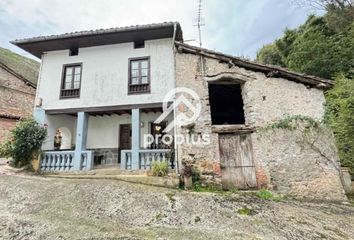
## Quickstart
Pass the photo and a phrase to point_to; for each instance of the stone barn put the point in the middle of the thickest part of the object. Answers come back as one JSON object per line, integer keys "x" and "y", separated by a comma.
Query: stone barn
{"x": 263, "y": 126}
{"x": 18, "y": 78}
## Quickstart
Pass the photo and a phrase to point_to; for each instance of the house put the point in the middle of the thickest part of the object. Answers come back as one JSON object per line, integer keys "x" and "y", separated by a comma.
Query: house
{"x": 102, "y": 92}
{"x": 18, "y": 78}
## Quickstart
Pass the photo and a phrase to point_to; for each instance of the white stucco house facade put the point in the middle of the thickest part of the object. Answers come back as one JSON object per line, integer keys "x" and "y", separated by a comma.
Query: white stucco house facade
{"x": 100, "y": 91}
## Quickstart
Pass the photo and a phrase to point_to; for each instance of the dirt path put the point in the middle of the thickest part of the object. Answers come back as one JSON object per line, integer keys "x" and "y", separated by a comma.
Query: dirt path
{"x": 49, "y": 208}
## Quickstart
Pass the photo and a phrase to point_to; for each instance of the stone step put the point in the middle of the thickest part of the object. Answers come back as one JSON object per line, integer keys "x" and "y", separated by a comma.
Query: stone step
{"x": 170, "y": 181}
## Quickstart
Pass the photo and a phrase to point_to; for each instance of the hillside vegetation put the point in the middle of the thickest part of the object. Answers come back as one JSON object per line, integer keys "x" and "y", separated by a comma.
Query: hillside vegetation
{"x": 324, "y": 46}
{"x": 23, "y": 66}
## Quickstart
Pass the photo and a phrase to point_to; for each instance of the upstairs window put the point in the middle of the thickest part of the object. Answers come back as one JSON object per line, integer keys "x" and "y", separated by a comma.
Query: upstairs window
{"x": 139, "y": 44}
{"x": 139, "y": 75}
{"x": 73, "y": 52}
{"x": 71, "y": 81}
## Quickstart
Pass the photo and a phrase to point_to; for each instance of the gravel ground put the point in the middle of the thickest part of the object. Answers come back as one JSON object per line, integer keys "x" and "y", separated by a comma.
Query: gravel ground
{"x": 33, "y": 207}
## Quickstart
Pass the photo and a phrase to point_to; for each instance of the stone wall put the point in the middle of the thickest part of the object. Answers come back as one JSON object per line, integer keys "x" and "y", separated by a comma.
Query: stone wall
{"x": 16, "y": 100}
{"x": 301, "y": 163}
{"x": 5, "y": 126}
{"x": 108, "y": 155}
{"x": 281, "y": 163}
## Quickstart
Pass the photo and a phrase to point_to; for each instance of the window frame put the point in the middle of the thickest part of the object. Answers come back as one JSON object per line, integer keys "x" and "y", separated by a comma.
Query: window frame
{"x": 148, "y": 87}
{"x": 62, "y": 86}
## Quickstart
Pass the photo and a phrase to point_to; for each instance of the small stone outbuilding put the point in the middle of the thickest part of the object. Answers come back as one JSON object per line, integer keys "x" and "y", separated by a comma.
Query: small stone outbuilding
{"x": 247, "y": 109}
{"x": 18, "y": 78}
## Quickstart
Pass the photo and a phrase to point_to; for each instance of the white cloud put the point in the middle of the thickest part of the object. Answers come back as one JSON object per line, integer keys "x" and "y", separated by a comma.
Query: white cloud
{"x": 234, "y": 26}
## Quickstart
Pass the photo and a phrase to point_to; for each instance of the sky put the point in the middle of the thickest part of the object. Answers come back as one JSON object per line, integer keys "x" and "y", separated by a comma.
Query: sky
{"x": 236, "y": 27}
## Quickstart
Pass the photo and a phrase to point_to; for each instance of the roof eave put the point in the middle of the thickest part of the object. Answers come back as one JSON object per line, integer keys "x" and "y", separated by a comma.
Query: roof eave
{"x": 268, "y": 70}
{"x": 38, "y": 45}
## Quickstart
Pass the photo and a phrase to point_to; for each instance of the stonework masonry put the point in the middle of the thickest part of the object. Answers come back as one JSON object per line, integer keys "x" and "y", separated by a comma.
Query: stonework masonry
{"x": 108, "y": 156}
{"x": 16, "y": 101}
{"x": 6, "y": 125}
{"x": 283, "y": 163}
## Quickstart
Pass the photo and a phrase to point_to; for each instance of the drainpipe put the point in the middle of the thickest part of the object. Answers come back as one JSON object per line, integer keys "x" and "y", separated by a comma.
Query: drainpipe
{"x": 174, "y": 98}
{"x": 38, "y": 112}
{"x": 174, "y": 35}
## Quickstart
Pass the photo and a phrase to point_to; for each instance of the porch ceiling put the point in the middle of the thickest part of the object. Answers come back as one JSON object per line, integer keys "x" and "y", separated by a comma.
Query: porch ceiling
{"x": 108, "y": 110}
{"x": 128, "y": 111}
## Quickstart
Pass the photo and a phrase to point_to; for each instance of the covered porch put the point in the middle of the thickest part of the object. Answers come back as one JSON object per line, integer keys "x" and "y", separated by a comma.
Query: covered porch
{"x": 104, "y": 137}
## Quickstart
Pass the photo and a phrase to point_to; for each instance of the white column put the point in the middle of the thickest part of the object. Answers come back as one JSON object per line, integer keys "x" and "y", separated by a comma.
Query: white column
{"x": 81, "y": 136}
{"x": 135, "y": 138}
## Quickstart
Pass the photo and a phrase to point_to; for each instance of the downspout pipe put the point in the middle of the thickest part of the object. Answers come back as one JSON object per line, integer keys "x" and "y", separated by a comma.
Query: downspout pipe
{"x": 174, "y": 98}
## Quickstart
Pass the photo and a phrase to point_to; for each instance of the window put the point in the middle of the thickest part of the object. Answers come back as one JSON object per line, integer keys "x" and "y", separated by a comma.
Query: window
{"x": 73, "y": 52}
{"x": 71, "y": 81}
{"x": 139, "y": 44}
{"x": 139, "y": 75}
{"x": 226, "y": 104}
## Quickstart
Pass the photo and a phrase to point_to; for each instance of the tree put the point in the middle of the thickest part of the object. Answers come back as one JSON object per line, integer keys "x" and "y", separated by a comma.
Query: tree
{"x": 269, "y": 54}
{"x": 323, "y": 4}
{"x": 340, "y": 116}
{"x": 313, "y": 48}
{"x": 25, "y": 142}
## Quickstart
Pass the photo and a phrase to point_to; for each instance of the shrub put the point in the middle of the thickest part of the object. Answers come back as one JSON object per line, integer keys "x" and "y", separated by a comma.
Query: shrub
{"x": 244, "y": 211}
{"x": 265, "y": 194}
{"x": 340, "y": 116}
{"x": 159, "y": 169}
{"x": 292, "y": 122}
{"x": 25, "y": 142}
{"x": 200, "y": 187}
{"x": 191, "y": 171}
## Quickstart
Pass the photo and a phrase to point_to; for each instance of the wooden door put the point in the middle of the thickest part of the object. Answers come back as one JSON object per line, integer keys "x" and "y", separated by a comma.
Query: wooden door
{"x": 125, "y": 136}
{"x": 236, "y": 159}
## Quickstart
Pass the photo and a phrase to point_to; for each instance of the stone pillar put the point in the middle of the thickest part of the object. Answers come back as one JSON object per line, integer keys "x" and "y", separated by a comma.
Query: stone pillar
{"x": 81, "y": 136}
{"x": 135, "y": 138}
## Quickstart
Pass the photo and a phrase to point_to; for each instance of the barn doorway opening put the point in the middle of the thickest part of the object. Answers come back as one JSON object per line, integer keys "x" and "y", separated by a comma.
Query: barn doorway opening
{"x": 226, "y": 104}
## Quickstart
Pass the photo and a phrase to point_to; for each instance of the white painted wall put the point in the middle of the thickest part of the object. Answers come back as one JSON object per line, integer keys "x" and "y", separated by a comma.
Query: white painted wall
{"x": 103, "y": 132}
{"x": 58, "y": 121}
{"x": 105, "y": 75}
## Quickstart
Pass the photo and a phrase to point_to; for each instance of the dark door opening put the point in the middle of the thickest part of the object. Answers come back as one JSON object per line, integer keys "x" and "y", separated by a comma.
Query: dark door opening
{"x": 226, "y": 104}
{"x": 125, "y": 136}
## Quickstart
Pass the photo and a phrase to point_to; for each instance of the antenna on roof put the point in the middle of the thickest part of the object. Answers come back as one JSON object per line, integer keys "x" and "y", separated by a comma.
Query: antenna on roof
{"x": 199, "y": 21}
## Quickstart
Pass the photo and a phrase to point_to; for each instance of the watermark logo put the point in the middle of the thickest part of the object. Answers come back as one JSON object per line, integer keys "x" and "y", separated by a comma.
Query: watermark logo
{"x": 180, "y": 98}
{"x": 185, "y": 105}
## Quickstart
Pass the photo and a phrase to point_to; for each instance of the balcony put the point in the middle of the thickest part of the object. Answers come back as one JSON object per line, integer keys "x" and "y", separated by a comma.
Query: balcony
{"x": 70, "y": 93}
{"x": 138, "y": 88}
